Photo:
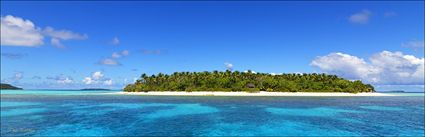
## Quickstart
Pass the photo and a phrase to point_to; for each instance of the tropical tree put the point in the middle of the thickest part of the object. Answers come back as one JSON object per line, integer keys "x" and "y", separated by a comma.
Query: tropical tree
{"x": 246, "y": 81}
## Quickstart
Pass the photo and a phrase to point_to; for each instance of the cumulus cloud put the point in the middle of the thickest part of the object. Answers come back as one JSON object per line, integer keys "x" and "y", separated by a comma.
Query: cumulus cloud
{"x": 229, "y": 66}
{"x": 345, "y": 65}
{"x": 97, "y": 78}
{"x": 115, "y": 41}
{"x": 361, "y": 17}
{"x": 107, "y": 82}
{"x": 16, "y": 31}
{"x": 275, "y": 73}
{"x": 382, "y": 68}
{"x": 88, "y": 80}
{"x": 13, "y": 55}
{"x": 97, "y": 75}
{"x": 253, "y": 72}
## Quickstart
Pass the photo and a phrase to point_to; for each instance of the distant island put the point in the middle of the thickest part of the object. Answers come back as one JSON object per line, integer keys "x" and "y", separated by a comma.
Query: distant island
{"x": 8, "y": 87}
{"x": 394, "y": 91}
{"x": 246, "y": 81}
{"x": 95, "y": 89}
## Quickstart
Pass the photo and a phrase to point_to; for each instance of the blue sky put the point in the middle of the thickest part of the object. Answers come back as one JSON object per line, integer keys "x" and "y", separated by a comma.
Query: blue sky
{"x": 73, "y": 42}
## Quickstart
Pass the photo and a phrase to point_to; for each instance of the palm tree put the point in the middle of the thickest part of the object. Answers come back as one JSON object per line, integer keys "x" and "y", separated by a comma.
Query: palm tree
{"x": 236, "y": 81}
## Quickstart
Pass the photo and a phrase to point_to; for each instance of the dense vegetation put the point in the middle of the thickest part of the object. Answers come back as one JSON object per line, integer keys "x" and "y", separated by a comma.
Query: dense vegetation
{"x": 246, "y": 81}
{"x": 9, "y": 87}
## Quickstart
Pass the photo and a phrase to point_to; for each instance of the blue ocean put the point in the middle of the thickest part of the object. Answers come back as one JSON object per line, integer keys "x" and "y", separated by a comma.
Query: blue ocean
{"x": 93, "y": 113}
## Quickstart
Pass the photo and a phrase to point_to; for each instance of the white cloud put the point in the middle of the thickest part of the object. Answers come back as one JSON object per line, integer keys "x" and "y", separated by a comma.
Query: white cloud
{"x": 88, "y": 80}
{"x": 383, "y": 68}
{"x": 97, "y": 75}
{"x": 273, "y": 74}
{"x": 116, "y": 55}
{"x": 67, "y": 80}
{"x": 13, "y": 55}
{"x": 415, "y": 44}
{"x": 61, "y": 79}
{"x": 56, "y": 42}
{"x": 109, "y": 62}
{"x": 63, "y": 34}
{"x": 16, "y": 31}
{"x": 115, "y": 41}
{"x": 229, "y": 66}
{"x": 58, "y": 35}
{"x": 107, "y": 82}
{"x": 18, "y": 76}
{"x": 125, "y": 52}
{"x": 345, "y": 65}
{"x": 97, "y": 78}
{"x": 112, "y": 61}
{"x": 14, "y": 79}
{"x": 361, "y": 17}
{"x": 397, "y": 68}
{"x": 408, "y": 88}
{"x": 253, "y": 72}
{"x": 120, "y": 54}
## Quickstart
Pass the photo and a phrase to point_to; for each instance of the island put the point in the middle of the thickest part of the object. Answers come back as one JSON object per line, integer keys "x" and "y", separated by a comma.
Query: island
{"x": 8, "y": 87}
{"x": 394, "y": 91}
{"x": 235, "y": 81}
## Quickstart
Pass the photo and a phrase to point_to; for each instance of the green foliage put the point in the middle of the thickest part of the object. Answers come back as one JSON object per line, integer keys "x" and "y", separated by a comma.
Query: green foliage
{"x": 8, "y": 87}
{"x": 252, "y": 90}
{"x": 246, "y": 81}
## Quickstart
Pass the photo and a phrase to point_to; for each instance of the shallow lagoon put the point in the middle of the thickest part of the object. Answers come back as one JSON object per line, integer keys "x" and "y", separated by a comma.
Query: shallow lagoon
{"x": 77, "y": 113}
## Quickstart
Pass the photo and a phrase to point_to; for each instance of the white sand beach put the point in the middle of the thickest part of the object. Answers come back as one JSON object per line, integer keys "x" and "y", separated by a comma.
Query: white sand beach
{"x": 262, "y": 93}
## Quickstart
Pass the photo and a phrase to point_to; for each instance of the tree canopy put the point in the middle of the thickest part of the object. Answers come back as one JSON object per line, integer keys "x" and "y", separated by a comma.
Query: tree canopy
{"x": 246, "y": 81}
{"x": 8, "y": 87}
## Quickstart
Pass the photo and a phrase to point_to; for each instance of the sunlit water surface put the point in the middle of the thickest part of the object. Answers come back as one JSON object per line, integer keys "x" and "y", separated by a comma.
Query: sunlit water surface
{"x": 88, "y": 113}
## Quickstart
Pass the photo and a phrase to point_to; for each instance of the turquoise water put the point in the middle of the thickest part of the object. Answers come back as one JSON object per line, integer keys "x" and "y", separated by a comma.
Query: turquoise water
{"x": 55, "y": 92}
{"x": 92, "y": 113}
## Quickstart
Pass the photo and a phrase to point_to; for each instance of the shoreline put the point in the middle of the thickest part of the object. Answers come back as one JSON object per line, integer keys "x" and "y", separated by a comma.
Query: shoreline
{"x": 262, "y": 93}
